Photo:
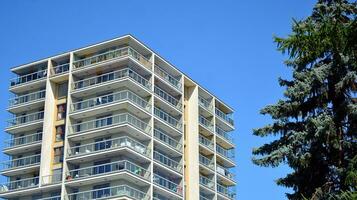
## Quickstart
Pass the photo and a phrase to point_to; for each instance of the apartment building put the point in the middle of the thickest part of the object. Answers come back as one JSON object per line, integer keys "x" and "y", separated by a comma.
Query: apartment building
{"x": 114, "y": 120}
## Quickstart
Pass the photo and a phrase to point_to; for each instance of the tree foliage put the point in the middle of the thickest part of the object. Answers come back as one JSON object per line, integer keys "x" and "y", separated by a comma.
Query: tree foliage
{"x": 316, "y": 122}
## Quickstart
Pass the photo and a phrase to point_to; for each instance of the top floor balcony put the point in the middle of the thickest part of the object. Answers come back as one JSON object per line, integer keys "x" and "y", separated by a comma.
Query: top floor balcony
{"x": 112, "y": 55}
{"x": 59, "y": 69}
{"x": 28, "y": 78}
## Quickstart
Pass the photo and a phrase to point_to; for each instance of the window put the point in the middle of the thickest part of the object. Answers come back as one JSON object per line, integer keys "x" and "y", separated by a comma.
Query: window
{"x": 101, "y": 191}
{"x": 58, "y": 155}
{"x": 61, "y": 111}
{"x": 60, "y": 132}
{"x": 102, "y": 143}
{"x": 101, "y": 167}
{"x": 62, "y": 89}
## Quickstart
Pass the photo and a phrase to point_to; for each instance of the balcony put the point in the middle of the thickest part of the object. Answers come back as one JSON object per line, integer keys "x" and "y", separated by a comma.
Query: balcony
{"x": 205, "y": 104}
{"x": 23, "y": 120}
{"x": 52, "y": 198}
{"x": 226, "y": 153}
{"x": 27, "y": 99}
{"x": 161, "y": 136}
{"x": 224, "y": 139}
{"x": 226, "y": 191}
{"x": 23, "y": 141}
{"x": 169, "y": 99}
{"x": 224, "y": 172}
{"x": 51, "y": 179}
{"x": 110, "y": 192}
{"x": 21, "y": 162}
{"x": 204, "y": 181}
{"x": 167, "y": 184}
{"x": 168, "y": 78}
{"x": 205, "y": 123}
{"x": 60, "y": 69}
{"x": 112, "y": 55}
{"x": 111, "y": 77}
{"x": 117, "y": 97}
{"x": 108, "y": 169}
{"x": 106, "y": 122}
{"x": 225, "y": 117}
{"x": 19, "y": 185}
{"x": 167, "y": 162}
{"x": 173, "y": 122}
{"x": 28, "y": 78}
{"x": 206, "y": 162}
{"x": 107, "y": 145}
{"x": 206, "y": 142}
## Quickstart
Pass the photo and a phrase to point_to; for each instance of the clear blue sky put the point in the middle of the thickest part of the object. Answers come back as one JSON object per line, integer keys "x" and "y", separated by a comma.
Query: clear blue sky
{"x": 226, "y": 46}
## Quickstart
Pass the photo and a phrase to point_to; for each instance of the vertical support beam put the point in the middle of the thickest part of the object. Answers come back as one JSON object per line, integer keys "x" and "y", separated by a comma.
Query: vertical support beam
{"x": 152, "y": 59}
{"x": 191, "y": 142}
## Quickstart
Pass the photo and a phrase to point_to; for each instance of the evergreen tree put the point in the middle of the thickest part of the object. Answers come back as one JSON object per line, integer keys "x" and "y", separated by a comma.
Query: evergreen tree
{"x": 316, "y": 122}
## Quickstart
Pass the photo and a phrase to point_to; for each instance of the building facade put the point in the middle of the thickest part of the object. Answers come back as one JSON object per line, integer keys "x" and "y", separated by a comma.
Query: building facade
{"x": 115, "y": 120}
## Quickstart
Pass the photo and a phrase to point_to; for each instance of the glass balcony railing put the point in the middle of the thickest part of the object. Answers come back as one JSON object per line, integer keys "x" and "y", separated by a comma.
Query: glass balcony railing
{"x": 205, "y": 104}
{"x": 52, "y": 198}
{"x": 224, "y": 134}
{"x": 167, "y": 184}
{"x": 21, "y": 162}
{"x": 110, "y": 55}
{"x": 19, "y": 184}
{"x": 60, "y": 69}
{"x": 25, "y": 119}
{"x": 110, "y": 192}
{"x": 224, "y": 172}
{"x": 167, "y": 77}
{"x": 23, "y": 140}
{"x": 206, "y": 162}
{"x": 108, "y": 168}
{"x": 226, "y": 191}
{"x": 168, "y": 162}
{"x": 105, "y": 145}
{"x": 27, "y": 98}
{"x": 168, "y": 98}
{"x": 205, "y": 142}
{"x": 51, "y": 179}
{"x": 121, "y": 96}
{"x": 227, "y": 153}
{"x": 160, "y": 135}
{"x": 28, "y": 78}
{"x": 204, "y": 198}
{"x": 113, "y": 120}
{"x": 225, "y": 117}
{"x": 168, "y": 118}
{"x": 206, "y": 182}
{"x": 205, "y": 123}
{"x": 110, "y": 77}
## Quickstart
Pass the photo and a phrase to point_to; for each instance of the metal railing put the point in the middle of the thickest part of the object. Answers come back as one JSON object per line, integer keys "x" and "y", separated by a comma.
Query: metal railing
{"x": 165, "y": 183}
{"x": 168, "y": 98}
{"x": 224, "y": 172}
{"x": 109, "y": 99}
{"x": 226, "y": 191}
{"x": 39, "y": 75}
{"x": 206, "y": 162}
{"x": 106, "y": 145}
{"x": 203, "y": 198}
{"x": 206, "y": 182}
{"x": 168, "y": 162}
{"x": 60, "y": 69}
{"x": 110, "y": 121}
{"x": 25, "y": 119}
{"x": 112, "y": 76}
{"x": 23, "y": 140}
{"x": 19, "y": 184}
{"x": 227, "y": 153}
{"x": 52, "y": 198}
{"x": 160, "y": 135}
{"x": 107, "y": 168}
{"x": 224, "y": 134}
{"x": 27, "y": 98}
{"x": 110, "y": 192}
{"x": 167, "y": 77}
{"x": 205, "y": 104}
{"x": 21, "y": 162}
{"x": 51, "y": 179}
{"x": 112, "y": 54}
{"x": 168, "y": 118}
{"x": 225, "y": 117}
{"x": 205, "y": 122}
{"x": 206, "y": 142}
